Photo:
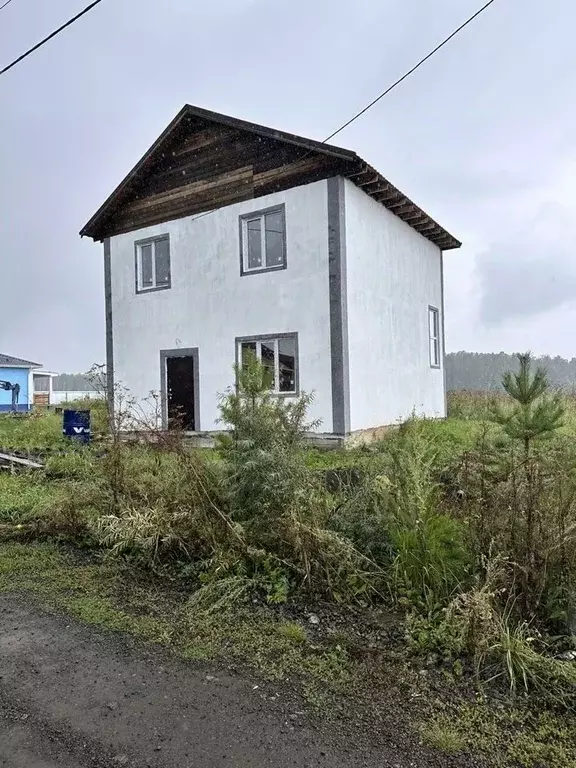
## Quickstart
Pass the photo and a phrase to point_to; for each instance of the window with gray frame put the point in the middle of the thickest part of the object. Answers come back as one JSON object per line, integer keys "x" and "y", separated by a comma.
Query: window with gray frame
{"x": 263, "y": 240}
{"x": 279, "y": 356}
{"x": 434, "y": 336}
{"x": 153, "y": 264}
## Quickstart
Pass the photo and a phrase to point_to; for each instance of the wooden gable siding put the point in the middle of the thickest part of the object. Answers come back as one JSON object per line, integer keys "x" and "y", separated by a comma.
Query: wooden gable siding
{"x": 206, "y": 166}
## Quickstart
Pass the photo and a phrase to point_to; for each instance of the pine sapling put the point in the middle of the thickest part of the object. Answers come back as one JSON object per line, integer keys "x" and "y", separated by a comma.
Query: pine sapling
{"x": 535, "y": 416}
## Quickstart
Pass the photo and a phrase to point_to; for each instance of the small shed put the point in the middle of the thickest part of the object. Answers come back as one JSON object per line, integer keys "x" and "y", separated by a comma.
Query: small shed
{"x": 43, "y": 387}
{"x": 16, "y": 383}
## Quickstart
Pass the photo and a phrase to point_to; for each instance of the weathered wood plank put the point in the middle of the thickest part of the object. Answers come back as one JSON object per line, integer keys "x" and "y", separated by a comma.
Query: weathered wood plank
{"x": 10, "y": 458}
{"x": 394, "y": 204}
{"x": 229, "y": 153}
{"x": 299, "y": 166}
{"x": 190, "y": 190}
{"x": 364, "y": 170}
{"x": 191, "y": 207}
{"x": 204, "y": 138}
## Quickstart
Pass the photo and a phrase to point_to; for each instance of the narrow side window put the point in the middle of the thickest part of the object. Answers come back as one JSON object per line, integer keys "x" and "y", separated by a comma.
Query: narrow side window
{"x": 434, "y": 336}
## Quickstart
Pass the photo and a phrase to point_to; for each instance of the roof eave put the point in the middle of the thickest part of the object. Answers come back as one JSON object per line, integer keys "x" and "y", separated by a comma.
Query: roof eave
{"x": 376, "y": 186}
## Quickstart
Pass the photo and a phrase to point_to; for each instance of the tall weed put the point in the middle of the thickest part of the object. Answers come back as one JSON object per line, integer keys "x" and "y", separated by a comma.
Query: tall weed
{"x": 431, "y": 559}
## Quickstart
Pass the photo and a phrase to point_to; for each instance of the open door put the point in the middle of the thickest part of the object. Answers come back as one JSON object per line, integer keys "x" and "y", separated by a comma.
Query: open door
{"x": 180, "y": 390}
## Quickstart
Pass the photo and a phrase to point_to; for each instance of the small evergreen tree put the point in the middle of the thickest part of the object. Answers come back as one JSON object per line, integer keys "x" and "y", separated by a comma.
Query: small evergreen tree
{"x": 535, "y": 415}
{"x": 264, "y": 448}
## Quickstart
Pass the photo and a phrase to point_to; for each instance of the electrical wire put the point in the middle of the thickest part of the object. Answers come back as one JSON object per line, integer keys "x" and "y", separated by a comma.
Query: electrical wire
{"x": 46, "y": 39}
{"x": 391, "y": 87}
{"x": 410, "y": 71}
{"x": 5, "y": 4}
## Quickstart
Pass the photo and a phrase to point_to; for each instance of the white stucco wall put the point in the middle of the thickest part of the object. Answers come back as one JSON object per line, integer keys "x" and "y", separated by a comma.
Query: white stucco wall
{"x": 393, "y": 275}
{"x": 210, "y": 304}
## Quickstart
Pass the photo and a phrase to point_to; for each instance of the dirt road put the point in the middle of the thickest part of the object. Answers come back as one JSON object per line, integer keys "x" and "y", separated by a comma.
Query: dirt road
{"x": 74, "y": 697}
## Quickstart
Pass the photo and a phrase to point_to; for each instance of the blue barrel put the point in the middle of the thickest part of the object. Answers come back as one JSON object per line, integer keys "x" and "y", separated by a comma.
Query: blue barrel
{"x": 76, "y": 425}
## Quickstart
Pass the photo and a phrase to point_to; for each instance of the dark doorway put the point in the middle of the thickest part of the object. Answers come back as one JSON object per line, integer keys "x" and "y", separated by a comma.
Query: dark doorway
{"x": 180, "y": 394}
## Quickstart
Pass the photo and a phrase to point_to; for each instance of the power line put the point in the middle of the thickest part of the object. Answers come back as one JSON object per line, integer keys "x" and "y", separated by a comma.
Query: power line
{"x": 5, "y": 4}
{"x": 410, "y": 71}
{"x": 53, "y": 34}
{"x": 390, "y": 88}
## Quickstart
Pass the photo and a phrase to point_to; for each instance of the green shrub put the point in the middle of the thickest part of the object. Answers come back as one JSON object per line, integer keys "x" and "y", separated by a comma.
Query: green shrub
{"x": 261, "y": 573}
{"x": 431, "y": 560}
{"x": 362, "y": 513}
{"x": 514, "y": 657}
{"x": 277, "y": 499}
{"x": 500, "y": 647}
{"x": 151, "y": 533}
{"x": 264, "y": 450}
{"x": 473, "y": 405}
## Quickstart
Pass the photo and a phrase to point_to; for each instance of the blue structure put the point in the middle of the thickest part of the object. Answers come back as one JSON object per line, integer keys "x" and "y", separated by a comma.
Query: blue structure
{"x": 16, "y": 387}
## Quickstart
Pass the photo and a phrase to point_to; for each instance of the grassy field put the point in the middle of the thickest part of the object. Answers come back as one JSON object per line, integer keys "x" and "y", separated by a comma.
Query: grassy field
{"x": 41, "y": 431}
{"x": 411, "y": 563}
{"x": 32, "y": 433}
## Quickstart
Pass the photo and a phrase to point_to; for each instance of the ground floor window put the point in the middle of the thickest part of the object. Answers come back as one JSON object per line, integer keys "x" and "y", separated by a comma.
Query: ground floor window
{"x": 279, "y": 355}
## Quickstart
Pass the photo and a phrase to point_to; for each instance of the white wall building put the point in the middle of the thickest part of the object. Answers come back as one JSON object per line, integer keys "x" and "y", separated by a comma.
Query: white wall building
{"x": 229, "y": 236}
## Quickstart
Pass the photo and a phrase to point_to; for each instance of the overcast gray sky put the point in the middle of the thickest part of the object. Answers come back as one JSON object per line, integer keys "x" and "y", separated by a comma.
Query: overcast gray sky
{"x": 482, "y": 137}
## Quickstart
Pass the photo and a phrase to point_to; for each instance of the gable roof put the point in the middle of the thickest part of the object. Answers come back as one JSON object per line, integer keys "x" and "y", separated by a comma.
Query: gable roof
{"x": 251, "y": 176}
{"x": 6, "y": 361}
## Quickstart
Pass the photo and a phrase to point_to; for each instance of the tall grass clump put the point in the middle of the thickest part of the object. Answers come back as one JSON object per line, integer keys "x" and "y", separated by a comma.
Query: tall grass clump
{"x": 169, "y": 509}
{"x": 431, "y": 559}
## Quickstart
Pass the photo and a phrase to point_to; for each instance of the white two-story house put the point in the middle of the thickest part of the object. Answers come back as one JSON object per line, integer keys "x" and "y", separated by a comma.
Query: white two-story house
{"x": 229, "y": 236}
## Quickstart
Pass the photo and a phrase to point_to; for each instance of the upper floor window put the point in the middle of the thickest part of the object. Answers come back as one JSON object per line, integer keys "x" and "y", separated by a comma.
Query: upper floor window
{"x": 263, "y": 240}
{"x": 434, "y": 336}
{"x": 279, "y": 357}
{"x": 153, "y": 264}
